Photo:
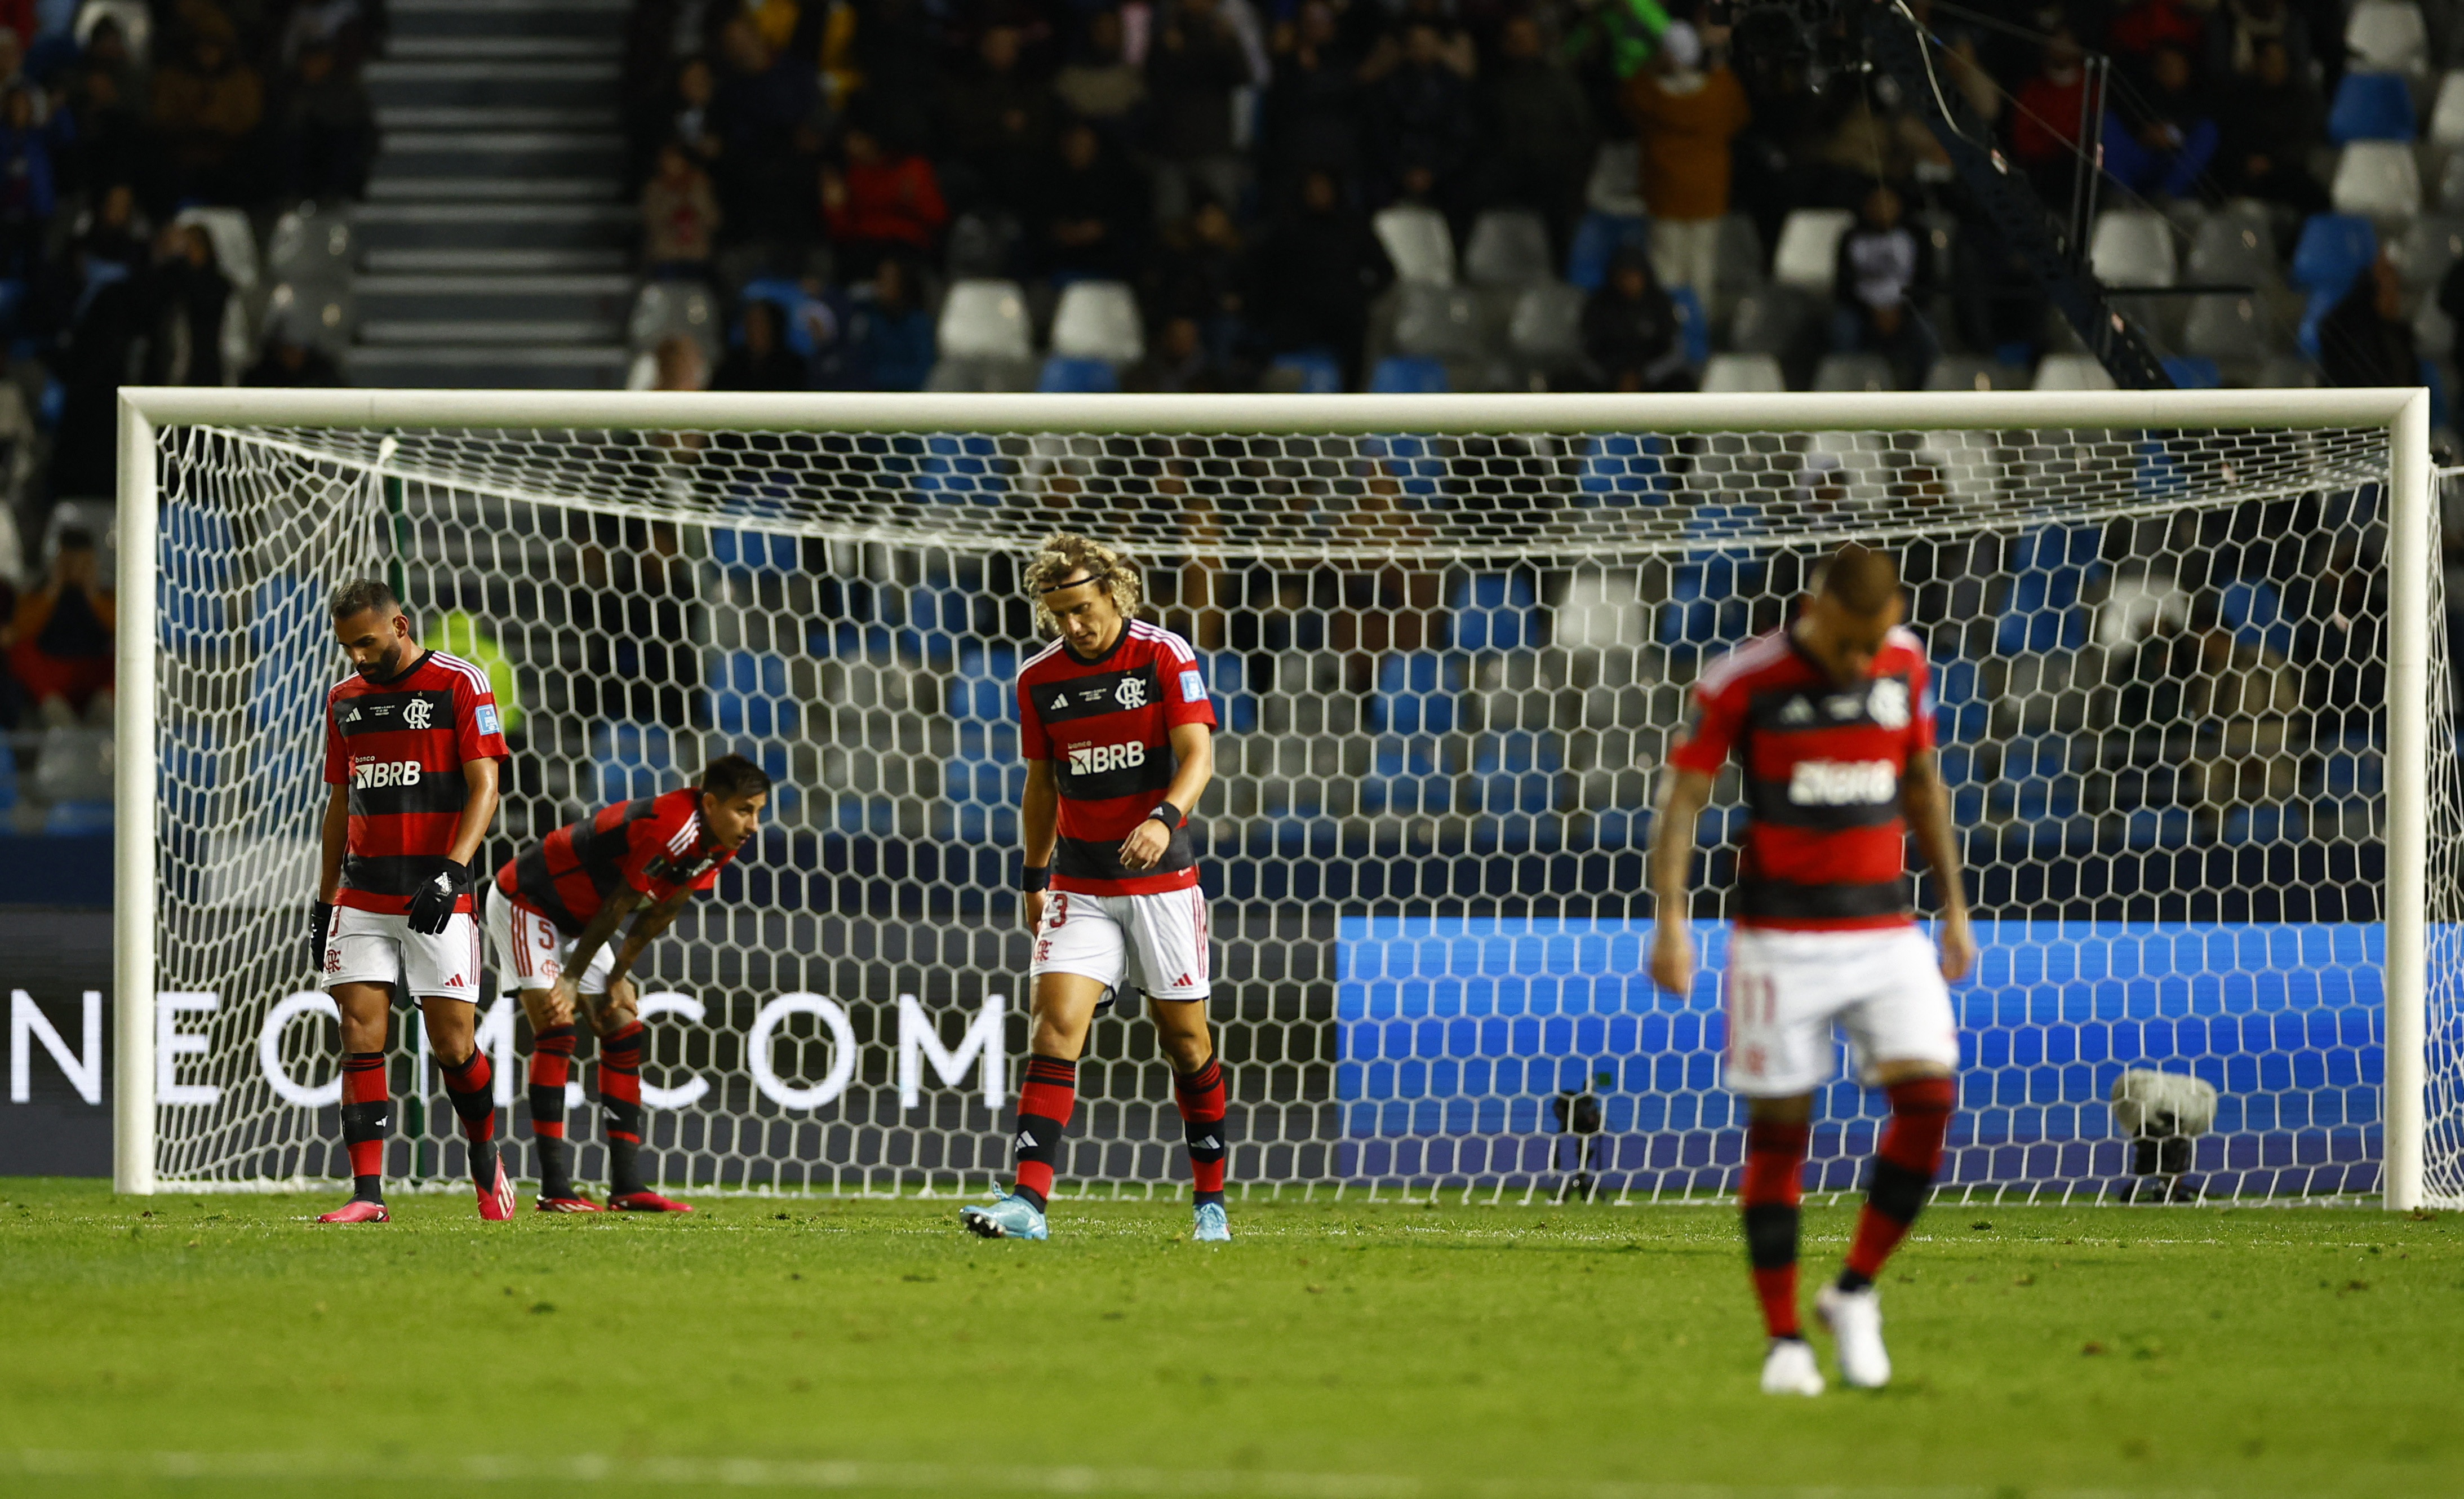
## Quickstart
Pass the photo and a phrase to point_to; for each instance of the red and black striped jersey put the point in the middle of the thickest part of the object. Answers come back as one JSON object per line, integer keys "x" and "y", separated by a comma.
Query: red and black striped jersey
{"x": 401, "y": 746}
{"x": 656, "y": 845}
{"x": 1106, "y": 725}
{"x": 1825, "y": 843}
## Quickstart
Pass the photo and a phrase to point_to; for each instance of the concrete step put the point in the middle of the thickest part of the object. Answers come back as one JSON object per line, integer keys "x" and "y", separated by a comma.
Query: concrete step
{"x": 599, "y": 18}
{"x": 599, "y": 303}
{"x": 505, "y": 49}
{"x": 501, "y": 153}
{"x": 493, "y": 84}
{"x": 514, "y": 117}
{"x": 519, "y": 189}
{"x": 495, "y": 262}
{"x": 497, "y": 226}
{"x": 530, "y": 333}
{"x": 485, "y": 366}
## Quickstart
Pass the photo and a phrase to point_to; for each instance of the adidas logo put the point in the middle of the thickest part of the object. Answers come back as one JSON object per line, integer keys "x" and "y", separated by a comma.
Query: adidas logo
{"x": 1210, "y": 1143}
{"x": 1025, "y": 1141}
{"x": 454, "y": 983}
{"x": 1060, "y": 702}
{"x": 1798, "y": 711}
{"x": 1183, "y": 982}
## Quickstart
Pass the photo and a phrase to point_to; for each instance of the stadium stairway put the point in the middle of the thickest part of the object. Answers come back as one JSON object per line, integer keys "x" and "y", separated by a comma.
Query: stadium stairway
{"x": 496, "y": 240}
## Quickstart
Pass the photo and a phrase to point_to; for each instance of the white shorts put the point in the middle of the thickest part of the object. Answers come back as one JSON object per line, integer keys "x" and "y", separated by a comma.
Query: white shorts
{"x": 526, "y": 951}
{"x": 1784, "y": 990}
{"x": 371, "y": 947}
{"x": 1155, "y": 943}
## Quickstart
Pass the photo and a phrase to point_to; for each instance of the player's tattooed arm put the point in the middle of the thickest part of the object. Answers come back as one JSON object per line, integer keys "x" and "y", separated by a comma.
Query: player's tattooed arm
{"x": 1193, "y": 753}
{"x": 567, "y": 989}
{"x": 1925, "y": 801}
{"x": 645, "y": 930}
{"x": 333, "y": 840}
{"x": 1039, "y": 828}
{"x": 1683, "y": 796}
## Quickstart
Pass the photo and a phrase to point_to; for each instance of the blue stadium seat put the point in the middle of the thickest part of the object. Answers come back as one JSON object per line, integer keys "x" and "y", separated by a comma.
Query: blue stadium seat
{"x": 631, "y": 761}
{"x": 2193, "y": 373}
{"x": 1596, "y": 240}
{"x": 791, "y": 300}
{"x": 1319, "y": 372}
{"x": 1693, "y": 325}
{"x": 1408, "y": 375}
{"x": 196, "y": 550}
{"x": 1416, "y": 691}
{"x": 2333, "y": 252}
{"x": 1517, "y": 771}
{"x": 961, "y": 469}
{"x": 1494, "y": 612}
{"x": 76, "y": 819}
{"x": 750, "y": 695}
{"x": 2037, "y": 780}
{"x": 984, "y": 688}
{"x": 1961, "y": 712}
{"x": 985, "y": 776}
{"x": 1414, "y": 462}
{"x": 754, "y": 551}
{"x": 928, "y": 621}
{"x": 2049, "y": 568}
{"x": 2255, "y": 615}
{"x": 1410, "y": 776}
{"x": 1622, "y": 468}
{"x": 1710, "y": 598}
{"x": 1227, "y": 680}
{"x": 2372, "y": 106}
{"x": 1065, "y": 375}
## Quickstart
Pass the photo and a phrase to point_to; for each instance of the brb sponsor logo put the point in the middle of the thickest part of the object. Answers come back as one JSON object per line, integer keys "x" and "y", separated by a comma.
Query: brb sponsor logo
{"x": 1835, "y": 783}
{"x": 1093, "y": 760}
{"x": 372, "y": 775}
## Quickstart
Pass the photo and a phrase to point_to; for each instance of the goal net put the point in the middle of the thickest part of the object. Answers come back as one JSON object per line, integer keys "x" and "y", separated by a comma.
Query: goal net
{"x": 2194, "y": 720}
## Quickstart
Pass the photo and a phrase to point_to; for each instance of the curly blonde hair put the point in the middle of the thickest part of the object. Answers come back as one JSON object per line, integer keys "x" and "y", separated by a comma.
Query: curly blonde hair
{"x": 1066, "y": 554}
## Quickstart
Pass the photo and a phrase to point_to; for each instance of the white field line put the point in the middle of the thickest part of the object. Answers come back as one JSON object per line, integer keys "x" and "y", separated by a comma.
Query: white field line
{"x": 329, "y": 1469}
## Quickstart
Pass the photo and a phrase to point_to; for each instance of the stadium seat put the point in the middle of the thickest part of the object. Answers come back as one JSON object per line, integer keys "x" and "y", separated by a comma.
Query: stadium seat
{"x": 1808, "y": 256}
{"x": 662, "y": 310}
{"x": 2191, "y": 372}
{"x": 1545, "y": 331}
{"x": 981, "y": 247}
{"x": 1770, "y": 319}
{"x": 2371, "y": 106}
{"x": 749, "y": 696}
{"x": 1410, "y": 375}
{"x": 2433, "y": 331}
{"x": 1742, "y": 374}
{"x": 2132, "y": 247}
{"x": 135, "y": 19}
{"x": 2447, "y": 116}
{"x": 1597, "y": 239}
{"x": 2378, "y": 180}
{"x": 2235, "y": 246}
{"x": 753, "y": 551}
{"x": 1710, "y": 591}
{"x": 2049, "y": 568}
{"x": 1693, "y": 325}
{"x": 1739, "y": 256}
{"x": 1417, "y": 243}
{"x": 1307, "y": 372}
{"x": 2072, "y": 373}
{"x": 2255, "y": 614}
{"x": 1969, "y": 372}
{"x": 322, "y": 315}
{"x": 1227, "y": 682}
{"x": 73, "y": 766}
{"x": 1861, "y": 372}
{"x": 1434, "y": 322}
{"x": 962, "y": 467}
{"x": 1494, "y": 612}
{"x": 1098, "y": 320}
{"x": 984, "y": 321}
{"x": 1508, "y": 247}
{"x": 310, "y": 246}
{"x": 235, "y": 243}
{"x": 2333, "y": 250}
{"x": 1062, "y": 375}
{"x": 2227, "y": 327}
{"x": 1623, "y": 469}
{"x": 1416, "y": 691}
{"x": 198, "y": 552}
{"x": 2389, "y": 36}
{"x": 1518, "y": 770}
{"x": 1614, "y": 186}
{"x": 2431, "y": 244}
{"x": 631, "y": 761}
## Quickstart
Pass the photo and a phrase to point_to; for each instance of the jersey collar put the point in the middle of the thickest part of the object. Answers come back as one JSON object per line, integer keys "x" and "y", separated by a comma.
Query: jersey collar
{"x": 1109, "y": 652}
{"x": 404, "y": 672}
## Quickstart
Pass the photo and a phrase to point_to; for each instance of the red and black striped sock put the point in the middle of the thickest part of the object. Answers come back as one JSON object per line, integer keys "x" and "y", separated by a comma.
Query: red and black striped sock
{"x": 620, "y": 1099}
{"x": 551, "y": 1065}
{"x": 1772, "y": 1186}
{"x": 469, "y": 1084}
{"x": 1904, "y": 1164}
{"x": 364, "y": 1106}
{"x": 1043, "y": 1109}
{"x": 1200, "y": 1097}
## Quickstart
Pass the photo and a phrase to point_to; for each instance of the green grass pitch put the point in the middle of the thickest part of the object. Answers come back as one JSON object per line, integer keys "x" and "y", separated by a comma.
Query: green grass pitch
{"x": 213, "y": 1345}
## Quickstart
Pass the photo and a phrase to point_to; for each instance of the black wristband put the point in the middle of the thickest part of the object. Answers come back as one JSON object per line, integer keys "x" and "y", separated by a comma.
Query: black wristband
{"x": 1168, "y": 814}
{"x": 1034, "y": 878}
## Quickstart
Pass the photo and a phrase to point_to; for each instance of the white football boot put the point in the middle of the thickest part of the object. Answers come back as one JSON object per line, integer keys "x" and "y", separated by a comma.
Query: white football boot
{"x": 1855, "y": 1318}
{"x": 1789, "y": 1368}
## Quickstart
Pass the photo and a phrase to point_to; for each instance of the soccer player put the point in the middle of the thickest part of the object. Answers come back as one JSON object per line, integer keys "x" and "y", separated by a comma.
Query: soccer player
{"x": 412, "y": 747}
{"x": 557, "y": 905}
{"x": 1117, "y": 730}
{"x": 1830, "y": 720}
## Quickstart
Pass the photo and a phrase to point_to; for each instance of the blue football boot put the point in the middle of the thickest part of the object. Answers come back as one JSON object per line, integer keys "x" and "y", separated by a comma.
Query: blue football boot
{"x": 1013, "y": 1217}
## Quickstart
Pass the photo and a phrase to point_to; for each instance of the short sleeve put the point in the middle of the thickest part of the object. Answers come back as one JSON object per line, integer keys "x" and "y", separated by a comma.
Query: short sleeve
{"x": 478, "y": 734}
{"x": 1710, "y": 732}
{"x": 647, "y": 838}
{"x": 338, "y": 755}
{"x": 710, "y": 876}
{"x": 1033, "y": 743}
{"x": 1184, "y": 693}
{"x": 1920, "y": 724}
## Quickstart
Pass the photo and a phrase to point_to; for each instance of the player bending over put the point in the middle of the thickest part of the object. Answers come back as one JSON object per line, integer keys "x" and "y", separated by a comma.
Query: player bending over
{"x": 1116, "y": 726}
{"x": 411, "y": 752}
{"x": 557, "y": 905}
{"x": 1832, "y": 722}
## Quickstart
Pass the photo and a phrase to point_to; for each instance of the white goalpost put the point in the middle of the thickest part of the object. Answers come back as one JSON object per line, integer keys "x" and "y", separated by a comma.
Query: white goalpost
{"x": 2188, "y": 660}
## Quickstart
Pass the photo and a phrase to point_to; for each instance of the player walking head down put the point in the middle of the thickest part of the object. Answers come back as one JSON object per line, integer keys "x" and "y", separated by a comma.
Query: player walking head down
{"x": 1116, "y": 728}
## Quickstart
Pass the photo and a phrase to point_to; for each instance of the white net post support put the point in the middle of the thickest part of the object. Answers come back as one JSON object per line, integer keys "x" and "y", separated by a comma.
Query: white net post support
{"x": 504, "y": 480}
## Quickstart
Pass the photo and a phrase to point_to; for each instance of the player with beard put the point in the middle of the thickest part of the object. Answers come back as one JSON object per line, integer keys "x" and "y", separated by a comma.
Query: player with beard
{"x": 412, "y": 753}
{"x": 557, "y": 906}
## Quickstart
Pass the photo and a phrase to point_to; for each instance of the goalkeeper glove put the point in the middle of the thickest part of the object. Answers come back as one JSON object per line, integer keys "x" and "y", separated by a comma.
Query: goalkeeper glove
{"x": 321, "y": 921}
{"x": 433, "y": 906}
